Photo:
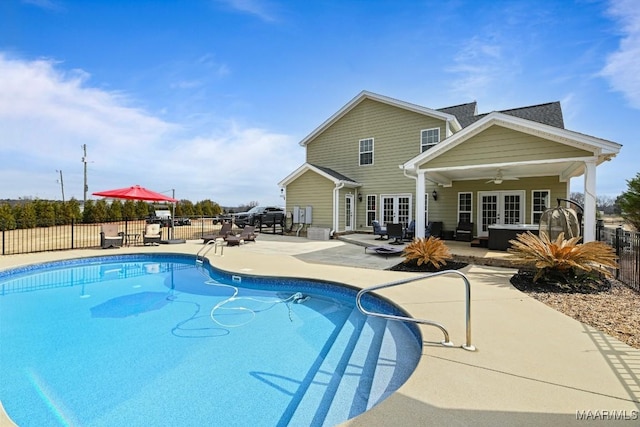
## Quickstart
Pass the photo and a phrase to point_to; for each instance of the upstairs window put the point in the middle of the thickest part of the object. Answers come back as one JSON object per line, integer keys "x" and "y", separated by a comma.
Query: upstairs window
{"x": 429, "y": 138}
{"x": 366, "y": 151}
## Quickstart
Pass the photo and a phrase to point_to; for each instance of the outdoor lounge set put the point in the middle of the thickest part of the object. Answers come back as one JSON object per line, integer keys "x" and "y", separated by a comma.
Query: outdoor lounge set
{"x": 225, "y": 233}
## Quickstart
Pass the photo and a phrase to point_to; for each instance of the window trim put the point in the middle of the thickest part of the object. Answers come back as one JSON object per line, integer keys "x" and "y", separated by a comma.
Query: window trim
{"x": 533, "y": 211}
{"x": 374, "y": 198}
{"x": 470, "y": 212}
{"x": 424, "y": 147}
{"x": 360, "y": 152}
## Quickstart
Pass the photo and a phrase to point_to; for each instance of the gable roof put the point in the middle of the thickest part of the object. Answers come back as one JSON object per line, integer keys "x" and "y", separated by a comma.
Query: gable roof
{"x": 386, "y": 100}
{"x": 602, "y": 148}
{"x": 549, "y": 113}
{"x": 330, "y": 174}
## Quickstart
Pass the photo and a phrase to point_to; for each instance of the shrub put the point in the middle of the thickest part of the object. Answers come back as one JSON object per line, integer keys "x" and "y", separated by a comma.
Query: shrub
{"x": 563, "y": 260}
{"x": 427, "y": 251}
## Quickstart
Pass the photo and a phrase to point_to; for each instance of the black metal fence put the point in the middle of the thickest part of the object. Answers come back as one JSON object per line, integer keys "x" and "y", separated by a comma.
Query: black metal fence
{"x": 627, "y": 246}
{"x": 86, "y": 236}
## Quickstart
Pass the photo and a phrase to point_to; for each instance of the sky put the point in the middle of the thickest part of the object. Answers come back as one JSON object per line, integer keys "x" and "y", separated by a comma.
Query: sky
{"x": 209, "y": 99}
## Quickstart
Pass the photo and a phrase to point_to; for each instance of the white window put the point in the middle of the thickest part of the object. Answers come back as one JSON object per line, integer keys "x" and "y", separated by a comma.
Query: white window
{"x": 539, "y": 203}
{"x": 465, "y": 206}
{"x": 429, "y": 138}
{"x": 366, "y": 151}
{"x": 371, "y": 209}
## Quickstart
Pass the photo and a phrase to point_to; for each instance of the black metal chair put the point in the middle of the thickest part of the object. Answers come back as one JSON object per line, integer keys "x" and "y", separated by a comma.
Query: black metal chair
{"x": 434, "y": 229}
{"x": 395, "y": 231}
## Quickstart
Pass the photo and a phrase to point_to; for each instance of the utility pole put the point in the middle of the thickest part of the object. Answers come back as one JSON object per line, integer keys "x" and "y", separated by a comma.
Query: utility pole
{"x": 61, "y": 185}
{"x": 84, "y": 160}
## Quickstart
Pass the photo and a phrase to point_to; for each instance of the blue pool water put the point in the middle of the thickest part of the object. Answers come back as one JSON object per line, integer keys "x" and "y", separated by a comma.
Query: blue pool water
{"x": 146, "y": 340}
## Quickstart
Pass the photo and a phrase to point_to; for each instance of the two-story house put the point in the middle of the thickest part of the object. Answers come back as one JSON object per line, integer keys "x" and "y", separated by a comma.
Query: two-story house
{"x": 385, "y": 159}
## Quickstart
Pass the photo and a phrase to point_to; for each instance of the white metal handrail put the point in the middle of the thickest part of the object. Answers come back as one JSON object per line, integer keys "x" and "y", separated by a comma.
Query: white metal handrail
{"x": 446, "y": 342}
{"x": 213, "y": 243}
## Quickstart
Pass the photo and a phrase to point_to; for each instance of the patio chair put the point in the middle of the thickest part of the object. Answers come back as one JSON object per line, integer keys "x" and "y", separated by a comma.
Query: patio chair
{"x": 434, "y": 229}
{"x": 110, "y": 237}
{"x": 151, "y": 234}
{"x": 224, "y": 231}
{"x": 410, "y": 231}
{"x": 464, "y": 231}
{"x": 379, "y": 231}
{"x": 395, "y": 231}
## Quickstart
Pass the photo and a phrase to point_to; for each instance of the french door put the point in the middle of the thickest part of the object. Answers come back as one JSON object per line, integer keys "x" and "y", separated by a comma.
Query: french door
{"x": 499, "y": 207}
{"x": 396, "y": 209}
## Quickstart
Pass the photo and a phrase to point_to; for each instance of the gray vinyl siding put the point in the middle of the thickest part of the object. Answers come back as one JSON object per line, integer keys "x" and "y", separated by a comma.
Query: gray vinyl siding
{"x": 311, "y": 189}
{"x": 445, "y": 209}
{"x": 497, "y": 144}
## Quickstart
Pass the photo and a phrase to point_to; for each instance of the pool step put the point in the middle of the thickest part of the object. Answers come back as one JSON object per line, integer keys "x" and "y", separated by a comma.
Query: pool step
{"x": 341, "y": 386}
{"x": 390, "y": 374}
{"x": 352, "y": 396}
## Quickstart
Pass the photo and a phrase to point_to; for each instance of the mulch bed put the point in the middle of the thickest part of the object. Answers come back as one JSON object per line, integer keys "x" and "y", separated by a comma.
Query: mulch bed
{"x": 427, "y": 268}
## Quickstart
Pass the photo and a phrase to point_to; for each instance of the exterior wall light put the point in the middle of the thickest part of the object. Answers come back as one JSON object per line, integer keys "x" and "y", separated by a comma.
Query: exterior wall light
{"x": 434, "y": 195}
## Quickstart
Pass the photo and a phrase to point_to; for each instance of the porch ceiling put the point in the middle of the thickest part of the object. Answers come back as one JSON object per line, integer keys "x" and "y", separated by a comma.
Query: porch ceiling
{"x": 564, "y": 169}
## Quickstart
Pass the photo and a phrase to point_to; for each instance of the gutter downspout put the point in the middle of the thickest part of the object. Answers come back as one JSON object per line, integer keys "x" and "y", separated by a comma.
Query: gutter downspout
{"x": 336, "y": 194}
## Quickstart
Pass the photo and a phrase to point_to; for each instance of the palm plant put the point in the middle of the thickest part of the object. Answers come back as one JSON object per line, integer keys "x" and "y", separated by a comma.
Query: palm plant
{"x": 562, "y": 259}
{"x": 430, "y": 251}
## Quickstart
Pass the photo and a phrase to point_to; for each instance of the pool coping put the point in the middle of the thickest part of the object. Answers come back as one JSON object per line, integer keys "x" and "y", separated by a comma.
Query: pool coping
{"x": 533, "y": 366}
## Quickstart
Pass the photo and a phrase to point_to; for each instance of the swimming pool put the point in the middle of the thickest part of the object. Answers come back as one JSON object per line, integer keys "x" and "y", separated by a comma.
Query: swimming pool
{"x": 160, "y": 340}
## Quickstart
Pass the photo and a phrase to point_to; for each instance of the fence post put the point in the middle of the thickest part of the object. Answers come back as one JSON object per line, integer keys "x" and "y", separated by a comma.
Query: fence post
{"x": 618, "y": 240}
{"x": 73, "y": 228}
{"x": 599, "y": 227}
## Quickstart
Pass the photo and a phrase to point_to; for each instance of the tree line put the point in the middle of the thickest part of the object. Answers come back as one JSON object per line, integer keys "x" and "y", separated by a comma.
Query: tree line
{"x": 46, "y": 213}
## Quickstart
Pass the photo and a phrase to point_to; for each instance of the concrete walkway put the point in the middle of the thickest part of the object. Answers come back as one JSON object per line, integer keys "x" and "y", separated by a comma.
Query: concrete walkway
{"x": 534, "y": 366}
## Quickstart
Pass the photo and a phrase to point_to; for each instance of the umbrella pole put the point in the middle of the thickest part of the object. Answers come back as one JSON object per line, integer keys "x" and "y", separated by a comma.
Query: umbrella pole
{"x": 173, "y": 213}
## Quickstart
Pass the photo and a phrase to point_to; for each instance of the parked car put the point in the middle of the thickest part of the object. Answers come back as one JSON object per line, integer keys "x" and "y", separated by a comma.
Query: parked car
{"x": 181, "y": 221}
{"x": 260, "y": 215}
{"x": 220, "y": 219}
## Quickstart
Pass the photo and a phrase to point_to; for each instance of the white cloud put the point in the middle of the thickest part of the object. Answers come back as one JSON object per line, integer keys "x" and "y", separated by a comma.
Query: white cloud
{"x": 478, "y": 64}
{"x": 623, "y": 66}
{"x": 259, "y": 8}
{"x": 46, "y": 115}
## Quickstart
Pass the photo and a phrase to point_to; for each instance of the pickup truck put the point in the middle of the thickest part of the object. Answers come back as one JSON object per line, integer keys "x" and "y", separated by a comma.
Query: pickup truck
{"x": 260, "y": 215}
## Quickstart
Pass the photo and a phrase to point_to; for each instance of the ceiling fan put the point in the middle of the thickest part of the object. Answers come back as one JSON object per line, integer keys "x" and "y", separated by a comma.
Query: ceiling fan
{"x": 499, "y": 178}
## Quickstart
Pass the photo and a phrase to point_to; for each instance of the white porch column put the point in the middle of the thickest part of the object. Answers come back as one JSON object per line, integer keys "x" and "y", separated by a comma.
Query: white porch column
{"x": 589, "y": 219}
{"x": 420, "y": 207}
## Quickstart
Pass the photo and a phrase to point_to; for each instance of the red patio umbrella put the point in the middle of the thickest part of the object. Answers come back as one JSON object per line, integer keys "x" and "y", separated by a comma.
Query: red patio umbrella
{"x": 135, "y": 193}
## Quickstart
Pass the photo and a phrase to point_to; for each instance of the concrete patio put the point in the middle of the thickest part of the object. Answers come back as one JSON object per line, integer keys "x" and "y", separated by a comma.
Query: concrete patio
{"x": 533, "y": 365}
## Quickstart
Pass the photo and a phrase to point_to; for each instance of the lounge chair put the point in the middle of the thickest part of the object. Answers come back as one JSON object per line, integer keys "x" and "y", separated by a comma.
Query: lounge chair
{"x": 379, "y": 231}
{"x": 224, "y": 231}
{"x": 233, "y": 240}
{"x": 151, "y": 234}
{"x": 394, "y": 231}
{"x": 110, "y": 237}
{"x": 248, "y": 234}
{"x": 384, "y": 250}
{"x": 464, "y": 231}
